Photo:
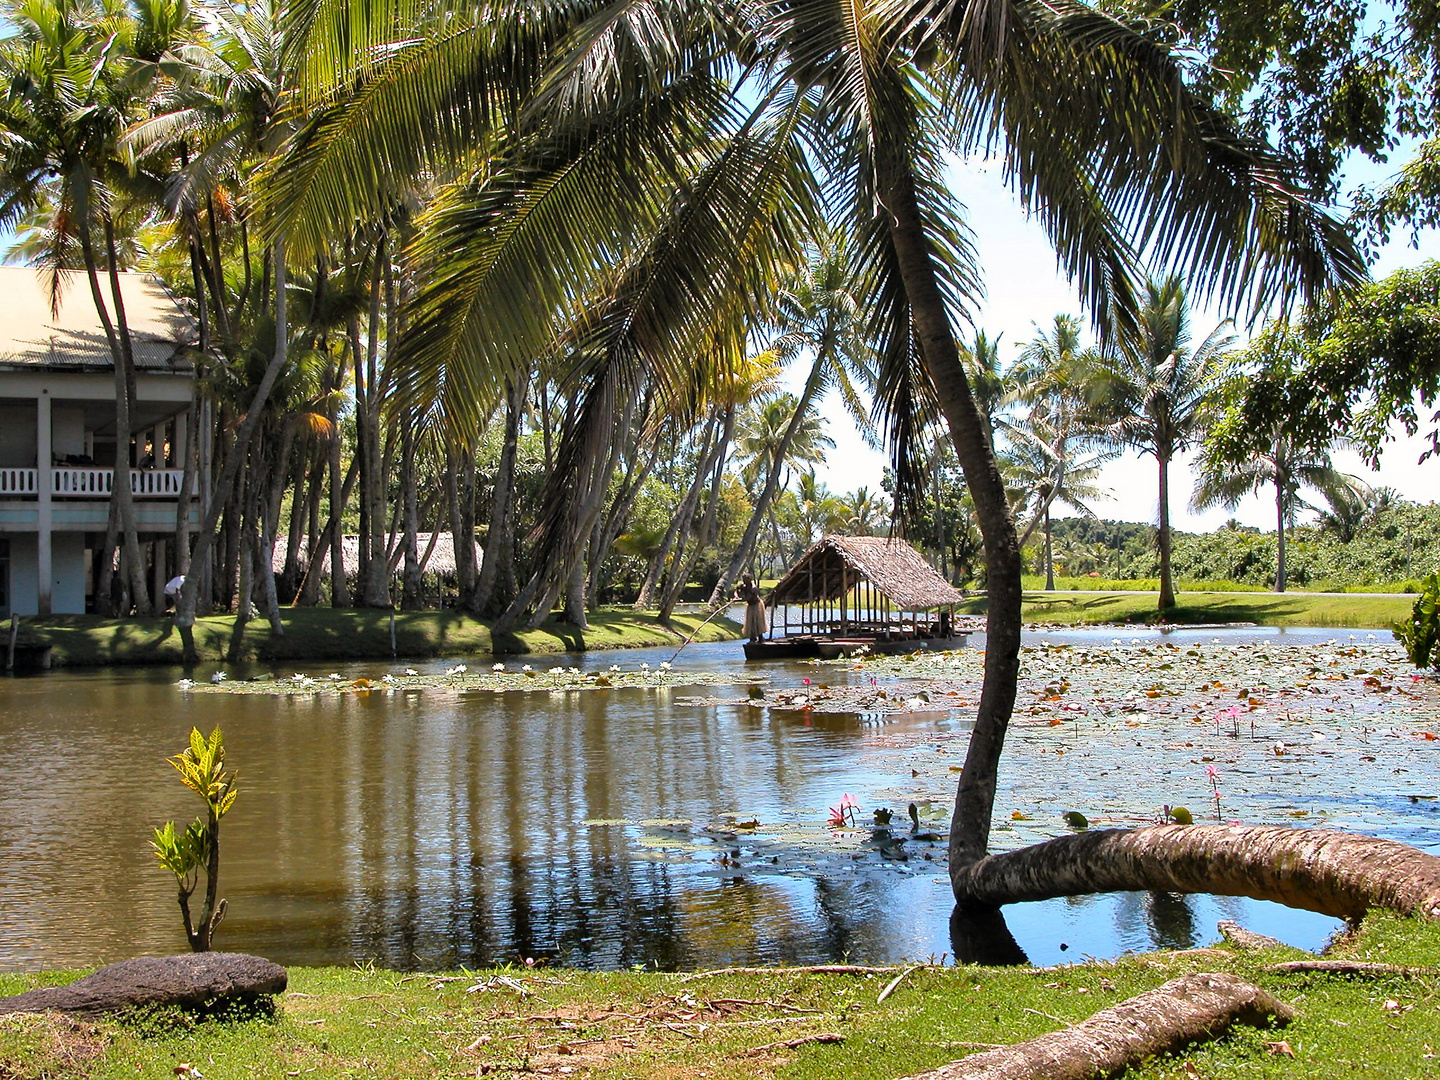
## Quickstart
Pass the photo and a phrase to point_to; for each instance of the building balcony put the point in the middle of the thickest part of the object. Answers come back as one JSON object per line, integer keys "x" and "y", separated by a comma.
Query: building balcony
{"x": 70, "y": 482}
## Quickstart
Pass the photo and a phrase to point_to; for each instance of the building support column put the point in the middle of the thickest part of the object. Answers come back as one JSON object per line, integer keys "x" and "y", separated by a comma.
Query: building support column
{"x": 44, "y": 458}
{"x": 161, "y": 574}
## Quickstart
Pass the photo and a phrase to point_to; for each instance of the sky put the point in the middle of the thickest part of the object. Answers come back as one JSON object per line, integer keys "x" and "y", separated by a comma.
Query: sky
{"x": 1025, "y": 290}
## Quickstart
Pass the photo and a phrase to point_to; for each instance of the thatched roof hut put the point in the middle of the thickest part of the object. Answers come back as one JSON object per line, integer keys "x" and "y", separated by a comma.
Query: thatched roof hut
{"x": 835, "y": 565}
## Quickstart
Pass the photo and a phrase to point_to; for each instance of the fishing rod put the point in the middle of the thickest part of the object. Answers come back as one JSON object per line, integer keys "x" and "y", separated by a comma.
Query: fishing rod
{"x": 718, "y": 609}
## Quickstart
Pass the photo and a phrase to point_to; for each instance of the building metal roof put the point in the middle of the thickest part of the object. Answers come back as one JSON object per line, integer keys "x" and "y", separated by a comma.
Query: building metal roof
{"x": 32, "y": 336}
{"x": 442, "y": 557}
{"x": 837, "y": 563}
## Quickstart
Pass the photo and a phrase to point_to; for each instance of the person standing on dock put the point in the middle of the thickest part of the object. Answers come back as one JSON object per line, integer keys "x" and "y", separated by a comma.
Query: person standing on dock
{"x": 749, "y": 592}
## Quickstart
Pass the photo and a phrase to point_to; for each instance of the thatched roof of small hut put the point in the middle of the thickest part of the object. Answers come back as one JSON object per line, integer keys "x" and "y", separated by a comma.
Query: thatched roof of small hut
{"x": 442, "y": 559}
{"x": 892, "y": 566}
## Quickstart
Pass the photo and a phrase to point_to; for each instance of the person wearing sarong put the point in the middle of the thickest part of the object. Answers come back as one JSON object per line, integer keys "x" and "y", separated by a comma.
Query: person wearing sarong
{"x": 755, "y": 624}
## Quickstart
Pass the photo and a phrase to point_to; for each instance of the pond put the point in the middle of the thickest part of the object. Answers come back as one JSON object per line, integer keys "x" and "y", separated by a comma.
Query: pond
{"x": 634, "y": 826}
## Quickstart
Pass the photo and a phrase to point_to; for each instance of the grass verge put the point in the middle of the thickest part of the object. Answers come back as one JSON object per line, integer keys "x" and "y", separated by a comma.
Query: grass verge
{"x": 1266, "y": 608}
{"x": 317, "y": 634}
{"x": 341, "y": 1022}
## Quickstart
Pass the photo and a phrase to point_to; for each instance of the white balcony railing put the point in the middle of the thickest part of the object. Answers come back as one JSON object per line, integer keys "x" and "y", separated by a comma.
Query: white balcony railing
{"x": 72, "y": 483}
{"x": 19, "y": 481}
{"x": 76, "y": 483}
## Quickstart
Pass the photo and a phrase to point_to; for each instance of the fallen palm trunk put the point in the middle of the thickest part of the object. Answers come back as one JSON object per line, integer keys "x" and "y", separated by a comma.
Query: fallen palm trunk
{"x": 1241, "y": 938}
{"x": 1335, "y": 873}
{"x": 1351, "y": 967}
{"x": 1184, "y": 1011}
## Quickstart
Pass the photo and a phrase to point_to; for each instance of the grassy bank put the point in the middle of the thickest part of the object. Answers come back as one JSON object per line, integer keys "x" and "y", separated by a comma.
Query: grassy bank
{"x": 321, "y": 634}
{"x": 1098, "y": 584}
{"x": 1264, "y": 608}
{"x": 340, "y": 1022}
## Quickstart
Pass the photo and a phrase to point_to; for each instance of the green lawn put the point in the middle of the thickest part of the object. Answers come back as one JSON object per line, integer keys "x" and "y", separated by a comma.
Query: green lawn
{"x": 344, "y": 1022}
{"x": 323, "y": 634}
{"x": 1264, "y": 608}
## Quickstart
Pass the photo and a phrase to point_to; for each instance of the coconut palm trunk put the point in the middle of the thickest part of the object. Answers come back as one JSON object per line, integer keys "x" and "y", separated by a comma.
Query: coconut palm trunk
{"x": 1282, "y": 485}
{"x": 772, "y": 483}
{"x": 185, "y": 602}
{"x": 1049, "y": 555}
{"x": 1164, "y": 540}
{"x": 495, "y": 587}
{"x": 975, "y": 797}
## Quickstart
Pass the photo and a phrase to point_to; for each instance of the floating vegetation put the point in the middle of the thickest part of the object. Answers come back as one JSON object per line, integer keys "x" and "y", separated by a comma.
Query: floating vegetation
{"x": 500, "y": 679}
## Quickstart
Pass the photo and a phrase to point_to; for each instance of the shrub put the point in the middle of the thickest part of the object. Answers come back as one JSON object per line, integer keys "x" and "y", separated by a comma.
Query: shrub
{"x": 185, "y": 853}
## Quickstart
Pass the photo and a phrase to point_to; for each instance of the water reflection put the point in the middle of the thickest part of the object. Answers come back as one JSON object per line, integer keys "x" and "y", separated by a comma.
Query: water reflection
{"x": 434, "y": 830}
{"x": 980, "y": 935}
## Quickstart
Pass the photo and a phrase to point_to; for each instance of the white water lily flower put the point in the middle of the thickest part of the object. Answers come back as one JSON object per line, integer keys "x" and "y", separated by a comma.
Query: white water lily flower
{"x": 664, "y": 665}
{"x": 333, "y": 676}
{"x": 387, "y": 678}
{"x": 411, "y": 671}
{"x": 644, "y": 667}
{"x": 497, "y": 667}
{"x": 218, "y": 677}
{"x": 614, "y": 667}
{"x": 185, "y": 684}
{"x": 527, "y": 667}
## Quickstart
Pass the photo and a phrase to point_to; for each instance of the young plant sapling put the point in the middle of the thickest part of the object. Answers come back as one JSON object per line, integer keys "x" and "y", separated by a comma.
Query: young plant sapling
{"x": 185, "y": 853}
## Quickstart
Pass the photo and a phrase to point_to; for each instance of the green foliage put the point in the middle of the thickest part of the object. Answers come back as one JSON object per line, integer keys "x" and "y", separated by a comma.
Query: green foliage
{"x": 1392, "y": 544}
{"x": 187, "y": 853}
{"x": 1365, "y": 361}
{"x": 201, "y": 769}
{"x": 1419, "y": 632}
{"x": 183, "y": 853}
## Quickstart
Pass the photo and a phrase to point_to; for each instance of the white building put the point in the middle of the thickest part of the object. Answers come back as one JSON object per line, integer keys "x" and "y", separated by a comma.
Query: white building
{"x": 57, "y": 433}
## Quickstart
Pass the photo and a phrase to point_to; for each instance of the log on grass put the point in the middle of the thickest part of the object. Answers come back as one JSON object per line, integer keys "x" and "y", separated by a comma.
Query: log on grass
{"x": 1338, "y": 874}
{"x": 196, "y": 981}
{"x": 1241, "y": 938}
{"x": 1358, "y": 968}
{"x": 1182, "y": 1012}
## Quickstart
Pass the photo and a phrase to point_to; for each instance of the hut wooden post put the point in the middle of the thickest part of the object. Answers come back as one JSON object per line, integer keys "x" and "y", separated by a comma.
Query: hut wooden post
{"x": 844, "y": 597}
{"x": 810, "y": 595}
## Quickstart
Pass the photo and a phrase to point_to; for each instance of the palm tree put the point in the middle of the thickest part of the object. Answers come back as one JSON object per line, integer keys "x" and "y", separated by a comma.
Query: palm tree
{"x": 776, "y": 438}
{"x": 1042, "y": 459}
{"x": 1290, "y": 468}
{"x": 1046, "y": 444}
{"x": 1100, "y": 132}
{"x": 1151, "y": 392}
{"x": 817, "y": 312}
{"x": 69, "y": 92}
{"x": 864, "y": 512}
{"x": 224, "y": 106}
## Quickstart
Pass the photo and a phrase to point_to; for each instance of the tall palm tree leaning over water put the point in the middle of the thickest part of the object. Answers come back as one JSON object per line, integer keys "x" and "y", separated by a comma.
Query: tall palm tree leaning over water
{"x": 647, "y": 170}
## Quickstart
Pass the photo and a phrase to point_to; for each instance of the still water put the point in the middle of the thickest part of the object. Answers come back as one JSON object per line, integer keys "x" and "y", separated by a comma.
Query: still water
{"x": 442, "y": 829}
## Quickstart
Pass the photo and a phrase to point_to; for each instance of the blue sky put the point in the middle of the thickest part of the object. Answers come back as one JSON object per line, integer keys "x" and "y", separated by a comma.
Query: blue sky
{"x": 1024, "y": 288}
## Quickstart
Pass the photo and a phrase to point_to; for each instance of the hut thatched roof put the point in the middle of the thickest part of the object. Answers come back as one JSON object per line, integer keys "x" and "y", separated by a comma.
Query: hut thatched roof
{"x": 442, "y": 559}
{"x": 892, "y": 566}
